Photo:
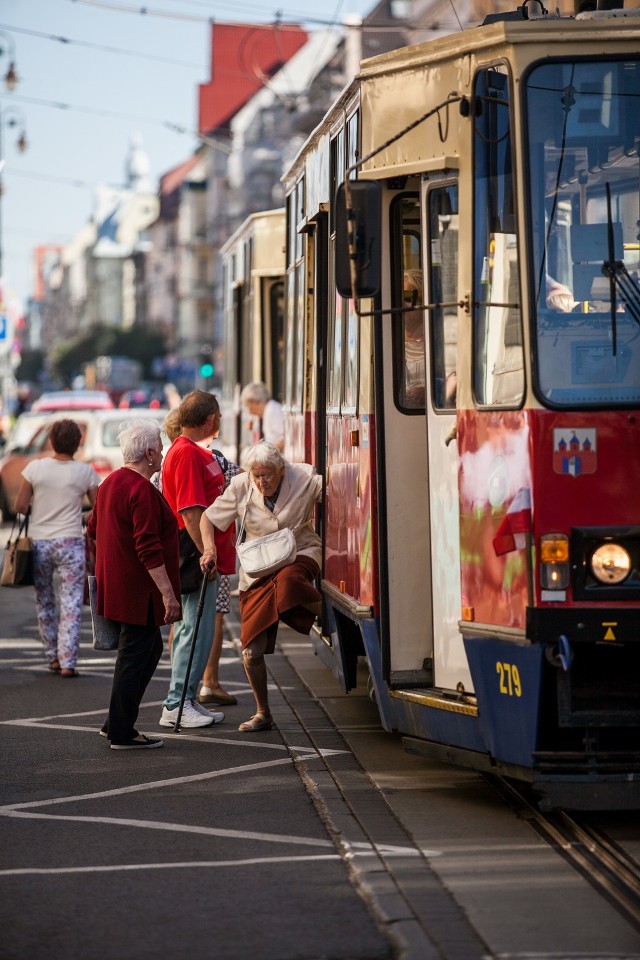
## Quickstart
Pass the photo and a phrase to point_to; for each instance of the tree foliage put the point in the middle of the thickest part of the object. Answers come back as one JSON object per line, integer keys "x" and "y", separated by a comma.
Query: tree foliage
{"x": 31, "y": 364}
{"x": 68, "y": 358}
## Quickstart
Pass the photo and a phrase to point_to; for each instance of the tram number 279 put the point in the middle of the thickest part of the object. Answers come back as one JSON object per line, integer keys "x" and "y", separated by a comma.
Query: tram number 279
{"x": 509, "y": 679}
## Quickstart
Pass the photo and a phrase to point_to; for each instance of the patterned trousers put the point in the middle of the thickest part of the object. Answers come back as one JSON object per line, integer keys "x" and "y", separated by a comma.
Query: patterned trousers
{"x": 59, "y": 632}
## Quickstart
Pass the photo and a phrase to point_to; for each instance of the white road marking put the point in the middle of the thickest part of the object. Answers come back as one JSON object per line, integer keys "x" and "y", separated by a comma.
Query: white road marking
{"x": 8, "y": 809}
{"x": 168, "y": 866}
{"x": 358, "y": 848}
{"x": 172, "y": 827}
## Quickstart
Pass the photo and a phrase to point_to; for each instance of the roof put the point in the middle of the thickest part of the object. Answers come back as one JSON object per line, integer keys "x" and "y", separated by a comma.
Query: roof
{"x": 243, "y": 57}
{"x": 171, "y": 180}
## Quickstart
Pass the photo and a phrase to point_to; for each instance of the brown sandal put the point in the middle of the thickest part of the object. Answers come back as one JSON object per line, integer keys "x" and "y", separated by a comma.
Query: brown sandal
{"x": 256, "y": 723}
{"x": 69, "y": 672}
{"x": 54, "y": 666}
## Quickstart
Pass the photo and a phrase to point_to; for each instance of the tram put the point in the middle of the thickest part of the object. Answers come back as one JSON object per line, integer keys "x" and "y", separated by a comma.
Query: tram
{"x": 462, "y": 364}
{"x": 253, "y": 311}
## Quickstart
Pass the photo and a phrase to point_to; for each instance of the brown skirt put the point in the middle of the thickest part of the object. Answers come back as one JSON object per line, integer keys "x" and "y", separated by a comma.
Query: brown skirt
{"x": 279, "y": 597}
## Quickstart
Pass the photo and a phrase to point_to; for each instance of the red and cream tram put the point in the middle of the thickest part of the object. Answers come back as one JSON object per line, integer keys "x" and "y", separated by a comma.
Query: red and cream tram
{"x": 475, "y": 409}
{"x": 253, "y": 334}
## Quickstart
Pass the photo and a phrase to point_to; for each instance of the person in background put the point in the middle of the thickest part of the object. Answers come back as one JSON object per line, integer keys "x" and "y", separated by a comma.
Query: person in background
{"x": 137, "y": 574}
{"x": 171, "y": 396}
{"x": 211, "y": 691}
{"x": 413, "y": 335}
{"x": 256, "y": 400}
{"x": 171, "y": 425}
{"x": 276, "y": 494}
{"x": 558, "y": 296}
{"x": 54, "y": 487}
{"x": 191, "y": 480}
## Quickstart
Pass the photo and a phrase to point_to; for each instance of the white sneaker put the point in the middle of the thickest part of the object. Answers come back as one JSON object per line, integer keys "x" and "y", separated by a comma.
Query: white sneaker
{"x": 190, "y": 717}
{"x": 218, "y": 717}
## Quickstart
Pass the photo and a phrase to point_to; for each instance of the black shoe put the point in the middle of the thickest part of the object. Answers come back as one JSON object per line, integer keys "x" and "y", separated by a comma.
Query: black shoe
{"x": 147, "y": 743}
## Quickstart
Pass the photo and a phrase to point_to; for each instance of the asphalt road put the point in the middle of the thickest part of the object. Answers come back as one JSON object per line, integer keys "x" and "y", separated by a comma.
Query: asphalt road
{"x": 211, "y": 845}
{"x": 319, "y": 840}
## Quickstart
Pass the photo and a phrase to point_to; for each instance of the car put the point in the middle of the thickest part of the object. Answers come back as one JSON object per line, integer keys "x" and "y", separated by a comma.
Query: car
{"x": 99, "y": 447}
{"x": 24, "y": 428}
{"x": 141, "y": 398}
{"x": 73, "y": 400}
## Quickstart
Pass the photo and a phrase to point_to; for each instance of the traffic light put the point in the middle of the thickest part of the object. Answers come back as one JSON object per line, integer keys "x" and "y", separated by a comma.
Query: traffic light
{"x": 206, "y": 361}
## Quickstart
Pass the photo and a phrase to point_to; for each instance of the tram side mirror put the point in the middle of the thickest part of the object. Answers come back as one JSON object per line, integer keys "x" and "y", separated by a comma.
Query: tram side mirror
{"x": 363, "y": 220}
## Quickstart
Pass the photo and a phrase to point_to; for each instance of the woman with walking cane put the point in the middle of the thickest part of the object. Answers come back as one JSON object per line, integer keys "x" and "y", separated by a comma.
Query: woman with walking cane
{"x": 273, "y": 495}
{"x": 137, "y": 574}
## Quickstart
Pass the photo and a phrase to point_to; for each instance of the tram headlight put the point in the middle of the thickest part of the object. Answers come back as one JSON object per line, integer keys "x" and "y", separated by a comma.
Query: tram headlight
{"x": 610, "y": 563}
{"x": 554, "y": 561}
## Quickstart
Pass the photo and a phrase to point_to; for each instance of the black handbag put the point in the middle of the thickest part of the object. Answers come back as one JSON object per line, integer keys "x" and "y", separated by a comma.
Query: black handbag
{"x": 190, "y": 572}
{"x": 17, "y": 568}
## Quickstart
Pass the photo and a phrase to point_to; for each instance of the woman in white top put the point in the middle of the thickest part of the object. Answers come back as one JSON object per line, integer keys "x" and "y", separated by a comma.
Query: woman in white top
{"x": 54, "y": 488}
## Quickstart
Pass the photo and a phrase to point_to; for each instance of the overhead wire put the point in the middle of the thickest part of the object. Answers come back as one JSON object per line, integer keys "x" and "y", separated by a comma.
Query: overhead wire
{"x": 69, "y": 41}
{"x": 114, "y": 115}
{"x": 52, "y": 178}
{"x": 316, "y": 67}
{"x": 173, "y": 15}
{"x": 146, "y": 11}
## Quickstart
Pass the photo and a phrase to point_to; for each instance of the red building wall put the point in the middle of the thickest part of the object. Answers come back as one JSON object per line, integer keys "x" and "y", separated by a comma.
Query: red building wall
{"x": 243, "y": 57}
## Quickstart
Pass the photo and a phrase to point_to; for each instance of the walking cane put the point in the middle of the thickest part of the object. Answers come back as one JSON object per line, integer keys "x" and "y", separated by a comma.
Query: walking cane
{"x": 199, "y": 609}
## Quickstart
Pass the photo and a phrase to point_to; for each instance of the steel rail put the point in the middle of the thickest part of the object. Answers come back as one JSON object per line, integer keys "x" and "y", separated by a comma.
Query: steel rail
{"x": 613, "y": 872}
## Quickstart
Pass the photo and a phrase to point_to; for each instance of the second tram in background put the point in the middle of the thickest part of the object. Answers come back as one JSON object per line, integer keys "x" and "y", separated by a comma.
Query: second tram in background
{"x": 470, "y": 391}
{"x": 253, "y": 284}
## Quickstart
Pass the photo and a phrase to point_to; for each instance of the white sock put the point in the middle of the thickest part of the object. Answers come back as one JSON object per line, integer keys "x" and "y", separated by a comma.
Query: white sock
{"x": 205, "y": 690}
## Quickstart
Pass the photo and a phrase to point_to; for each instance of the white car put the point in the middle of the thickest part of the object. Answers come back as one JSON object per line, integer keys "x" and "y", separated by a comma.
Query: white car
{"x": 99, "y": 447}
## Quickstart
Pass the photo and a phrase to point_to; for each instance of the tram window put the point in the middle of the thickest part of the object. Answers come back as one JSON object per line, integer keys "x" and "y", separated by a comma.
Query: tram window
{"x": 336, "y": 172}
{"x": 343, "y": 333}
{"x": 583, "y": 171}
{"x": 298, "y": 383}
{"x": 273, "y": 341}
{"x": 291, "y": 326}
{"x": 299, "y": 217}
{"x": 335, "y": 343}
{"x": 408, "y": 291}
{"x": 350, "y": 399}
{"x": 230, "y": 377}
{"x": 291, "y": 232}
{"x": 498, "y": 353}
{"x": 442, "y": 206}
{"x": 353, "y": 147}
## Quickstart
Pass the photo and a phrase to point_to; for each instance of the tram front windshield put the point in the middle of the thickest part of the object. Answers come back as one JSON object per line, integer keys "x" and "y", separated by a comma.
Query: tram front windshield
{"x": 583, "y": 125}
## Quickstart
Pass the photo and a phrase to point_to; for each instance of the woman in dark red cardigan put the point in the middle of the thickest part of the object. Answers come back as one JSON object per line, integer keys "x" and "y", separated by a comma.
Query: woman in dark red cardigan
{"x": 137, "y": 574}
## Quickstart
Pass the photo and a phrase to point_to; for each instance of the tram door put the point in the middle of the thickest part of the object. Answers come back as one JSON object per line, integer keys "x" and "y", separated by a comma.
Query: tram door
{"x": 407, "y": 637}
{"x": 440, "y": 257}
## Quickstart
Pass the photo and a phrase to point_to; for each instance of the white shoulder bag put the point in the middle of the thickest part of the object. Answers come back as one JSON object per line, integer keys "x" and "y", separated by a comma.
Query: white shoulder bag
{"x": 265, "y": 555}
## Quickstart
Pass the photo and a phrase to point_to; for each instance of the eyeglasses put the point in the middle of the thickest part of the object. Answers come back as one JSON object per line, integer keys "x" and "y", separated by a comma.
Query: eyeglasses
{"x": 263, "y": 477}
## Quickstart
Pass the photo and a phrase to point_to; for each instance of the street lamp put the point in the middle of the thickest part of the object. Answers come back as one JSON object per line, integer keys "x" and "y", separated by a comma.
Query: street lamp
{"x": 8, "y": 48}
{"x": 10, "y": 117}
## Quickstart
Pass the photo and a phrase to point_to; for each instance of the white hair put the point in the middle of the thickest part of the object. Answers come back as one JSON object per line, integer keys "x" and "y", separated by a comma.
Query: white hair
{"x": 257, "y": 392}
{"x": 137, "y": 436}
{"x": 265, "y": 454}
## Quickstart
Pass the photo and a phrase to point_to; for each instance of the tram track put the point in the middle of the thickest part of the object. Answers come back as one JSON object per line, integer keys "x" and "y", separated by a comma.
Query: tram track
{"x": 613, "y": 872}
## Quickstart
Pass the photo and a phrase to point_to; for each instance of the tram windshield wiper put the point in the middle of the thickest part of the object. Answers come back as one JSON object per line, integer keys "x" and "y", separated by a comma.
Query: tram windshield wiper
{"x": 620, "y": 280}
{"x": 627, "y": 287}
